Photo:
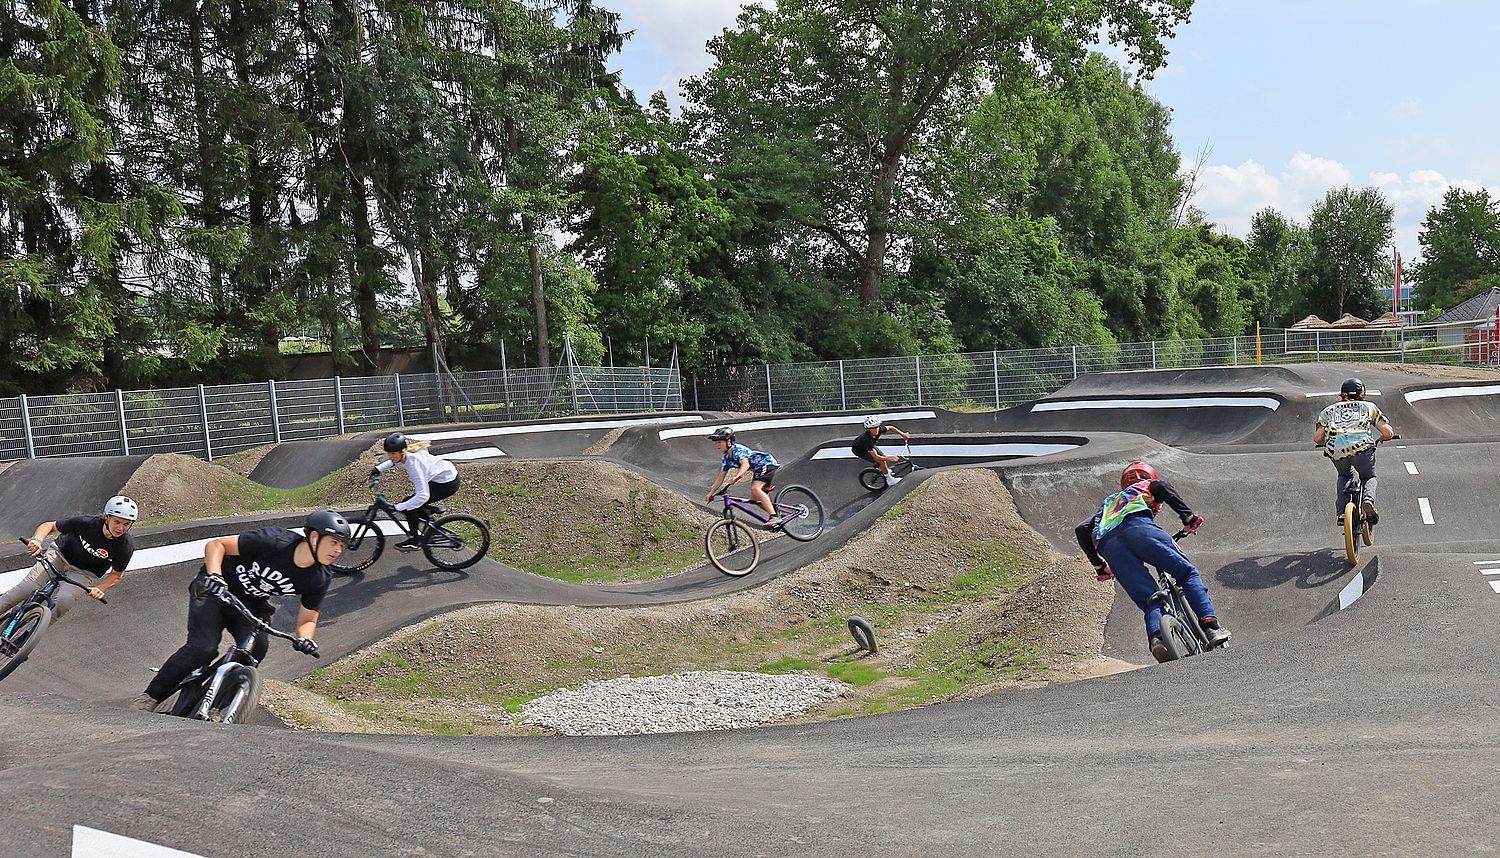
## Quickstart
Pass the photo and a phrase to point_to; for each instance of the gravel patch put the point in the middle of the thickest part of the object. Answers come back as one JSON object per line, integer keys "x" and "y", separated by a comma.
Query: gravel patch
{"x": 679, "y": 703}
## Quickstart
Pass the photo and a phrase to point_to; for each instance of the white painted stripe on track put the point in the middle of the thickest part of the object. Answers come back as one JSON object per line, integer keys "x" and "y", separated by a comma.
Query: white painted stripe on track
{"x": 1400, "y": 446}
{"x": 1411, "y": 468}
{"x": 794, "y": 423}
{"x": 1186, "y": 402}
{"x": 547, "y": 427}
{"x": 1495, "y": 585}
{"x": 1489, "y": 571}
{"x": 476, "y": 453}
{"x": 1484, "y": 562}
{"x": 959, "y": 451}
{"x": 1447, "y": 392}
{"x": 1426, "y": 507}
{"x": 1334, "y": 394}
{"x": 1352, "y": 590}
{"x": 93, "y": 843}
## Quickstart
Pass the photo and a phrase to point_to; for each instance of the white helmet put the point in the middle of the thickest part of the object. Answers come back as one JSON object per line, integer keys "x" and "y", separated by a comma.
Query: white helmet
{"x": 872, "y": 421}
{"x": 122, "y": 507}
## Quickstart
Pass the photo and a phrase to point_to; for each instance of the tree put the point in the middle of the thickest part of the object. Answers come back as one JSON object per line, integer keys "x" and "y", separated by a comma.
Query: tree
{"x": 1460, "y": 242}
{"x": 1350, "y": 232}
{"x": 853, "y": 88}
{"x": 1279, "y": 256}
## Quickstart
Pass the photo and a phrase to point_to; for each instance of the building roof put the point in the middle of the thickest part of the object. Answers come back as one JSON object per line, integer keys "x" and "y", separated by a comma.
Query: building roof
{"x": 1348, "y": 320}
{"x": 1310, "y": 322}
{"x": 1476, "y": 309}
{"x": 1389, "y": 320}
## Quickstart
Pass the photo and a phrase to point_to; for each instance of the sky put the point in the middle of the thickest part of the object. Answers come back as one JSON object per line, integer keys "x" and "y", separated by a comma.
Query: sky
{"x": 1283, "y": 100}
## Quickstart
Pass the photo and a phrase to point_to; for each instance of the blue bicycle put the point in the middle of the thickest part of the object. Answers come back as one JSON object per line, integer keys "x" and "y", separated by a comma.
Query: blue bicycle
{"x": 21, "y": 629}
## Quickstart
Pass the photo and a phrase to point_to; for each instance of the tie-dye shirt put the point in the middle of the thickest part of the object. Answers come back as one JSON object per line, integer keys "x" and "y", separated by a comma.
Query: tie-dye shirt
{"x": 1352, "y": 427}
{"x": 1130, "y": 500}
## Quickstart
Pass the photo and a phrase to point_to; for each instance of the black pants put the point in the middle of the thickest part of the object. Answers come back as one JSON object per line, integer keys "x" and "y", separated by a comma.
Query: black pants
{"x": 436, "y": 492}
{"x": 208, "y": 618}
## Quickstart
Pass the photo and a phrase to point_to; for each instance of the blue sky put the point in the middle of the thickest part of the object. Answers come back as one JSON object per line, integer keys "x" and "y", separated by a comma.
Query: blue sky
{"x": 1289, "y": 99}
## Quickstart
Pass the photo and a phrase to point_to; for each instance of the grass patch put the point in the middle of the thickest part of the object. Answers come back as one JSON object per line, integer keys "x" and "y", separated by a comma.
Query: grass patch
{"x": 787, "y": 665}
{"x": 855, "y": 674}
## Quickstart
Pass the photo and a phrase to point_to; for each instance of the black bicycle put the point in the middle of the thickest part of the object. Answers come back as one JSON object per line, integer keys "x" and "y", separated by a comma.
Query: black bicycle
{"x": 451, "y": 542}
{"x": 21, "y": 629}
{"x": 228, "y": 689}
{"x": 1182, "y": 631}
{"x": 872, "y": 479}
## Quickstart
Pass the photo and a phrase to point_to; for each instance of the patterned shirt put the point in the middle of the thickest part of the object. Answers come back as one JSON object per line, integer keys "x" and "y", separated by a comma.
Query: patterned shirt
{"x": 1351, "y": 427}
{"x": 739, "y": 452}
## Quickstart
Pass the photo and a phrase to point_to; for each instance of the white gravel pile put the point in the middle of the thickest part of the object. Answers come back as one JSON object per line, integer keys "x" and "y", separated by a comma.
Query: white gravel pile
{"x": 679, "y": 703}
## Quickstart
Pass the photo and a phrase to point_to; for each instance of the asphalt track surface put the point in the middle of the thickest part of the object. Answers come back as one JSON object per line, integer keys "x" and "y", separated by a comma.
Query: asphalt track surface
{"x": 1366, "y": 730}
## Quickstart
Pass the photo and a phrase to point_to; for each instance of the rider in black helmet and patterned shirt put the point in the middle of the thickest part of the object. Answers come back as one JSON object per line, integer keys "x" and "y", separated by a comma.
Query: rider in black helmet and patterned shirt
{"x": 254, "y": 566}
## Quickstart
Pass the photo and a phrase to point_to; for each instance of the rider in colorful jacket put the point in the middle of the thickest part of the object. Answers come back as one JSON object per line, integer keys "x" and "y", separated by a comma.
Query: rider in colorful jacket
{"x": 1349, "y": 430}
{"x": 1123, "y": 537}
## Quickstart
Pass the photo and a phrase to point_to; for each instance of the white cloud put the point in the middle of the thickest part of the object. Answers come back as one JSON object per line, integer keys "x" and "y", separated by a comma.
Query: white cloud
{"x": 675, "y": 33}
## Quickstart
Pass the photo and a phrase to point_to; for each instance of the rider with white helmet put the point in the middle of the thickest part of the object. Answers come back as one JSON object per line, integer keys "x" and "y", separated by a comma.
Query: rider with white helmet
{"x": 97, "y": 545}
{"x": 864, "y": 447}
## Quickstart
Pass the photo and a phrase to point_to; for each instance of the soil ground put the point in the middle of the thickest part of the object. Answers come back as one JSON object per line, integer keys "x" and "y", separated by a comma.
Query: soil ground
{"x": 962, "y": 605}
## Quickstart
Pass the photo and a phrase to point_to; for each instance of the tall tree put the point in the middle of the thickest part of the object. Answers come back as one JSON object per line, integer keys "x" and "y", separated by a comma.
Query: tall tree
{"x": 1280, "y": 261}
{"x": 1460, "y": 242}
{"x": 1350, "y": 232}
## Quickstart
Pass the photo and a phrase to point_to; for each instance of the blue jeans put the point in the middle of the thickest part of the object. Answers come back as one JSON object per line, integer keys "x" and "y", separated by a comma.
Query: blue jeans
{"x": 1137, "y": 541}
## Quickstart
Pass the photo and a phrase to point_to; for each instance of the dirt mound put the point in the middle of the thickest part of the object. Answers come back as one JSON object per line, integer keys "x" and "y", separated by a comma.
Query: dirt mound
{"x": 244, "y": 461}
{"x": 174, "y": 486}
{"x": 961, "y": 603}
{"x": 601, "y": 446}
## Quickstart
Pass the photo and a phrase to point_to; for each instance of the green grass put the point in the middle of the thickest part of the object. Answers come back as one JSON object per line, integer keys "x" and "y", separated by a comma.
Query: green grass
{"x": 855, "y": 674}
{"x": 787, "y": 665}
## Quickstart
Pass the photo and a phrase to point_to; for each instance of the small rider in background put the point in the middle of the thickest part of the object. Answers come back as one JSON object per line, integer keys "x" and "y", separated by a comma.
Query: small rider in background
{"x": 1349, "y": 431}
{"x": 743, "y": 460}
{"x": 432, "y": 479}
{"x": 864, "y": 447}
{"x": 1123, "y": 537}
{"x": 97, "y": 545}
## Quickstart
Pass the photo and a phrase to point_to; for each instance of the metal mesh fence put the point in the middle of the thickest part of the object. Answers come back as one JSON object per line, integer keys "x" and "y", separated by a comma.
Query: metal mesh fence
{"x": 12, "y": 430}
{"x": 75, "y": 424}
{"x": 239, "y": 417}
{"x": 170, "y": 420}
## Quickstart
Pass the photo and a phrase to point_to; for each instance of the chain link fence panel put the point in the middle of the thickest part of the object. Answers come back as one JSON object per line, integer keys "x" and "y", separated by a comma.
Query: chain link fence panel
{"x": 169, "y": 420}
{"x": 12, "y": 430}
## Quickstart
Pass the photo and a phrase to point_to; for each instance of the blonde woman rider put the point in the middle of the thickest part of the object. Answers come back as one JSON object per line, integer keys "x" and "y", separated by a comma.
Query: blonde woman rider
{"x": 432, "y": 479}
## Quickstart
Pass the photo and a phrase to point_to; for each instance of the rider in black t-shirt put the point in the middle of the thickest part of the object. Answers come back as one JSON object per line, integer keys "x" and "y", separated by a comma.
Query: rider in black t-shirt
{"x": 93, "y": 544}
{"x": 271, "y": 561}
{"x": 864, "y": 447}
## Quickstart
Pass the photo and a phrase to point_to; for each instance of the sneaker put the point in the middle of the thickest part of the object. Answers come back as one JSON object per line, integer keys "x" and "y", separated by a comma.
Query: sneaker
{"x": 775, "y": 522}
{"x": 1159, "y": 649}
{"x": 1217, "y": 636}
{"x": 1340, "y": 520}
{"x": 1368, "y": 510}
{"x": 410, "y": 544}
{"x": 891, "y": 479}
{"x": 144, "y": 703}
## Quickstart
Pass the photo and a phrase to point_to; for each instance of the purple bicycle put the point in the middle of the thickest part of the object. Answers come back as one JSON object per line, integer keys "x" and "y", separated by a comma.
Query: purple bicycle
{"x": 731, "y": 544}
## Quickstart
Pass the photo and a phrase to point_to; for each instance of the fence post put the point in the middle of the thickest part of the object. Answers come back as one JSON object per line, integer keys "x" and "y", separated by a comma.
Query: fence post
{"x": 1153, "y": 357}
{"x": 338, "y": 401}
{"x": 275, "y": 412}
{"x": 1236, "y": 349}
{"x": 1075, "y": 362}
{"x": 504, "y": 379}
{"x": 695, "y": 390}
{"x": 400, "y": 406}
{"x": 919, "y": 379}
{"x": 769, "y": 405}
{"x": 124, "y": 430}
{"x": 1317, "y": 347}
{"x": 843, "y": 396}
{"x": 26, "y": 428}
{"x": 208, "y": 443}
{"x": 995, "y": 363}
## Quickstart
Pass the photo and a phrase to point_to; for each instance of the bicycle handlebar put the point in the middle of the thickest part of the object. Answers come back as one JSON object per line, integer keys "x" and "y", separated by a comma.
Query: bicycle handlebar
{"x": 233, "y": 601}
{"x": 52, "y": 570}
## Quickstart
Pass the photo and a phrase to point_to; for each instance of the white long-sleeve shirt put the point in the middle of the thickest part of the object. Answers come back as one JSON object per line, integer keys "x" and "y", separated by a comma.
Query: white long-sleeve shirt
{"x": 423, "y": 468}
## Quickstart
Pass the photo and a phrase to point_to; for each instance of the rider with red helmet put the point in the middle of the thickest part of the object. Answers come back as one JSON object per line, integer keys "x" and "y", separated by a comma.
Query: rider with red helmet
{"x": 1123, "y": 537}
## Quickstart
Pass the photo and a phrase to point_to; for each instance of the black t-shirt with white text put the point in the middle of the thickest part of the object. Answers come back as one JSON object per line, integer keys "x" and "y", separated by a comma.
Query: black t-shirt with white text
{"x": 265, "y": 568}
{"x": 83, "y": 544}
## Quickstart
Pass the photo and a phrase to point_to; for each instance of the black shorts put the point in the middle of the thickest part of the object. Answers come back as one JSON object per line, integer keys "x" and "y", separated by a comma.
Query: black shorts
{"x": 764, "y": 475}
{"x": 867, "y": 455}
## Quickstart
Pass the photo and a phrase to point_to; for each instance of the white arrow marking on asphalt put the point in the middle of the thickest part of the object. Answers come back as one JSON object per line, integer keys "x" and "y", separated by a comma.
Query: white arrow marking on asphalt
{"x": 1411, "y": 468}
{"x": 1426, "y": 508}
{"x": 93, "y": 843}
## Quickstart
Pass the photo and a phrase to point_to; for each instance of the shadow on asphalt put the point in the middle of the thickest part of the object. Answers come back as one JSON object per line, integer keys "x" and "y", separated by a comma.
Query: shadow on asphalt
{"x": 1303, "y": 571}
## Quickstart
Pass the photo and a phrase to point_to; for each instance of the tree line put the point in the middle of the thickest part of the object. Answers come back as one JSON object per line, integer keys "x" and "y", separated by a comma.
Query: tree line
{"x": 185, "y": 184}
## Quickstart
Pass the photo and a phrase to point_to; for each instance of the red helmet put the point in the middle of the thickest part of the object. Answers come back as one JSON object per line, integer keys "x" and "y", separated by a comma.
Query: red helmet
{"x": 1135, "y": 472}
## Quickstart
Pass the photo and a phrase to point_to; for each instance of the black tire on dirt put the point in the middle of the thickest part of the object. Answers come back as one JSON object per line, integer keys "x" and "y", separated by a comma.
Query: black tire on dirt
{"x": 365, "y": 546}
{"x": 16, "y": 647}
{"x": 872, "y": 479}
{"x": 732, "y": 547}
{"x": 237, "y": 697}
{"x": 803, "y": 510}
{"x": 863, "y": 634}
{"x": 456, "y": 541}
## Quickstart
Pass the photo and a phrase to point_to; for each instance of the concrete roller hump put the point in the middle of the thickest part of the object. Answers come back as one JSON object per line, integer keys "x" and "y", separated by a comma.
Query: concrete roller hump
{"x": 293, "y": 464}
{"x": 39, "y": 490}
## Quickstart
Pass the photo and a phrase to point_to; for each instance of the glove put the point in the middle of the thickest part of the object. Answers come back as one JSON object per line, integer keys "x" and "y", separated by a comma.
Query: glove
{"x": 1192, "y": 524}
{"x": 374, "y": 473}
{"x": 306, "y": 646}
{"x": 213, "y": 585}
{"x": 1102, "y": 572}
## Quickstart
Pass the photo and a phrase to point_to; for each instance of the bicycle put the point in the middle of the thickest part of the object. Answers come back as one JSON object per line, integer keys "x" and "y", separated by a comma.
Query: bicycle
{"x": 1182, "y": 631}
{"x": 451, "y": 542}
{"x": 1356, "y": 528}
{"x": 228, "y": 689}
{"x": 872, "y": 479}
{"x": 731, "y": 544}
{"x": 21, "y": 629}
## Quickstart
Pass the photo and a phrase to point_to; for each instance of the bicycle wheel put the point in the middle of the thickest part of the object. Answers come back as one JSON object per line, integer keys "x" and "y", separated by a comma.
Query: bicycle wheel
{"x": 17, "y": 646}
{"x": 872, "y": 479}
{"x": 237, "y": 696}
{"x": 731, "y": 547}
{"x": 456, "y": 541}
{"x": 1174, "y": 638}
{"x": 803, "y": 513}
{"x": 363, "y": 549}
{"x": 1351, "y": 547}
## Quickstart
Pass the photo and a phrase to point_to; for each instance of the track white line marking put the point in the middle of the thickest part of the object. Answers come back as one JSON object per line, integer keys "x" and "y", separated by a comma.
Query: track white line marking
{"x": 1495, "y": 585}
{"x": 1485, "y": 562}
{"x": 1426, "y": 507}
{"x": 1445, "y": 392}
{"x": 794, "y": 422}
{"x": 93, "y": 843}
{"x": 475, "y": 453}
{"x": 1335, "y": 393}
{"x": 1352, "y": 590}
{"x": 957, "y": 451}
{"x": 1411, "y": 468}
{"x": 1489, "y": 571}
{"x": 1193, "y": 402}
{"x": 1400, "y": 446}
{"x": 547, "y": 427}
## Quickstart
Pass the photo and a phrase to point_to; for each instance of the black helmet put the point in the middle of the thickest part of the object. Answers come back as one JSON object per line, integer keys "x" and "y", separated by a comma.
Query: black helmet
{"x": 395, "y": 442}
{"x": 328, "y": 523}
{"x": 723, "y": 433}
{"x": 1352, "y": 388}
